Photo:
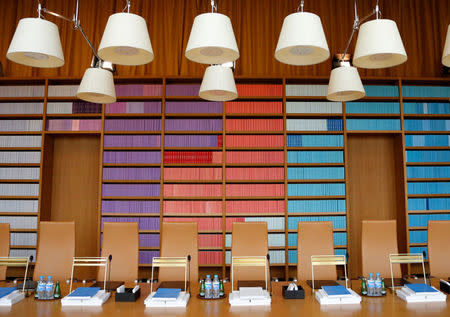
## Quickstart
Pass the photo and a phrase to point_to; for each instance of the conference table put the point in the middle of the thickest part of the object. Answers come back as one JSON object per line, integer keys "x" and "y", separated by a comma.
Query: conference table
{"x": 389, "y": 305}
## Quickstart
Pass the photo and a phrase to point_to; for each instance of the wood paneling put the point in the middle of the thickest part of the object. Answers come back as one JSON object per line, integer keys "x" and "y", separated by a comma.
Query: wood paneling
{"x": 257, "y": 24}
{"x": 375, "y": 188}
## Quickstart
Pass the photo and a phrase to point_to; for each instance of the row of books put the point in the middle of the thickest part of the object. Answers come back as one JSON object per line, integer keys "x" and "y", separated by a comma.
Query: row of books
{"x": 192, "y": 207}
{"x": 193, "y": 140}
{"x": 254, "y": 157}
{"x": 324, "y": 189}
{"x": 146, "y": 257}
{"x": 320, "y": 205}
{"x": 273, "y": 223}
{"x": 427, "y": 156}
{"x": 23, "y": 238}
{"x": 23, "y": 253}
{"x": 427, "y": 125}
{"x": 420, "y": 250}
{"x": 131, "y": 173}
{"x": 21, "y": 108}
{"x": 132, "y": 157}
{"x": 131, "y": 206}
{"x": 193, "y": 107}
{"x": 144, "y": 223}
{"x": 20, "y": 222}
{"x": 339, "y": 238}
{"x": 148, "y": 240}
{"x": 19, "y": 205}
{"x": 254, "y": 173}
{"x": 339, "y": 222}
{"x": 313, "y": 107}
{"x": 12, "y": 141}
{"x": 193, "y": 190}
{"x": 73, "y": 107}
{"x": 132, "y": 141}
{"x": 426, "y": 91}
{"x": 204, "y": 224}
{"x": 210, "y": 257}
{"x": 192, "y": 173}
{"x": 138, "y": 90}
{"x": 74, "y": 124}
{"x": 192, "y": 157}
{"x": 310, "y": 140}
{"x": 231, "y": 207}
{"x": 292, "y": 255}
{"x": 314, "y": 125}
{"x": 133, "y": 125}
{"x": 182, "y": 90}
{"x": 306, "y": 90}
{"x": 133, "y": 107}
{"x": 373, "y": 107}
{"x": 20, "y": 157}
{"x": 418, "y": 236}
{"x": 315, "y": 157}
{"x": 19, "y": 189}
{"x": 254, "y": 125}
{"x": 20, "y": 125}
{"x": 273, "y": 240}
{"x": 254, "y": 107}
{"x": 315, "y": 173}
{"x": 427, "y": 140}
{"x": 259, "y": 90}
{"x": 209, "y": 240}
{"x": 421, "y": 220}
{"x": 19, "y": 172}
{"x": 428, "y": 188}
{"x": 276, "y": 257}
{"x": 131, "y": 190}
{"x": 255, "y": 190}
{"x": 373, "y": 124}
{"x": 426, "y": 108}
{"x": 193, "y": 124}
{"x": 428, "y": 203}
{"x": 254, "y": 141}
{"x": 22, "y": 91}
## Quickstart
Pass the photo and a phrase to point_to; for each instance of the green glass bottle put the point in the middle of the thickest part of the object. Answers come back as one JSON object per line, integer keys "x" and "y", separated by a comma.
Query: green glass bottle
{"x": 221, "y": 290}
{"x": 383, "y": 287}
{"x": 57, "y": 293}
{"x": 363, "y": 286}
{"x": 202, "y": 288}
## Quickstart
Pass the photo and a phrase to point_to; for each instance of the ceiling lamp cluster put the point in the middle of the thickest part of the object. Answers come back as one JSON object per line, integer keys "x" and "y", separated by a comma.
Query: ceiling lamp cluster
{"x": 125, "y": 41}
{"x": 212, "y": 42}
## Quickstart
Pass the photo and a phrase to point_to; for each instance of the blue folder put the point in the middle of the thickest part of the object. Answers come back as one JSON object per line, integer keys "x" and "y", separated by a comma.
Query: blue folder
{"x": 167, "y": 293}
{"x": 86, "y": 292}
{"x": 6, "y": 291}
{"x": 336, "y": 290}
{"x": 421, "y": 288}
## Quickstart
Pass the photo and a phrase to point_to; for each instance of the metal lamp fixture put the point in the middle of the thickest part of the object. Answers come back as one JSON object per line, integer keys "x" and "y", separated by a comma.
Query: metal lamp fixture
{"x": 218, "y": 84}
{"x": 302, "y": 39}
{"x": 212, "y": 39}
{"x": 446, "y": 54}
{"x": 126, "y": 40}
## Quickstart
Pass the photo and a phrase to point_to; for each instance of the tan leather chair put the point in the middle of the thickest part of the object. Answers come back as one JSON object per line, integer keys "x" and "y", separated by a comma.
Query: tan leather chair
{"x": 121, "y": 240}
{"x": 439, "y": 248}
{"x": 4, "y": 247}
{"x": 56, "y": 249}
{"x": 379, "y": 239}
{"x": 314, "y": 238}
{"x": 179, "y": 240}
{"x": 249, "y": 239}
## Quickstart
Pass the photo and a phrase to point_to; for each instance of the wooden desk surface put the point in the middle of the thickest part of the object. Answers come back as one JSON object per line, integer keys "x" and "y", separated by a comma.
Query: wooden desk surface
{"x": 386, "y": 306}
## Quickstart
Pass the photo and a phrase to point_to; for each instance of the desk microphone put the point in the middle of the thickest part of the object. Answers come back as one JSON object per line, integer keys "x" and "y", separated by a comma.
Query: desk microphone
{"x": 270, "y": 278}
{"x": 347, "y": 256}
{"x": 189, "y": 273}
{"x": 109, "y": 272}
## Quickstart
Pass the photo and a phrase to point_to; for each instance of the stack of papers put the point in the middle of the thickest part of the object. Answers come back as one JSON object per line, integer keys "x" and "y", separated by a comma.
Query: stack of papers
{"x": 251, "y": 292}
{"x": 416, "y": 293}
{"x": 86, "y": 296}
{"x": 167, "y": 297}
{"x": 421, "y": 288}
{"x": 166, "y": 294}
{"x": 337, "y": 294}
{"x": 10, "y": 295}
{"x": 84, "y": 292}
{"x": 337, "y": 290}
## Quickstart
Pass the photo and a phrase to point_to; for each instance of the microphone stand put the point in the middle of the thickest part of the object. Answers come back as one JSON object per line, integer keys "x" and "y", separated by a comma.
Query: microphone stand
{"x": 189, "y": 273}
{"x": 109, "y": 272}
{"x": 270, "y": 278}
{"x": 347, "y": 255}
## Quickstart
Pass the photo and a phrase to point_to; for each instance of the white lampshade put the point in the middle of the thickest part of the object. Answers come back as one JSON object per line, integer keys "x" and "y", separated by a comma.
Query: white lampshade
{"x": 126, "y": 41}
{"x": 345, "y": 84}
{"x": 212, "y": 40}
{"x": 218, "y": 84}
{"x": 446, "y": 54}
{"x": 302, "y": 40}
{"x": 97, "y": 86}
{"x": 379, "y": 45}
{"x": 36, "y": 43}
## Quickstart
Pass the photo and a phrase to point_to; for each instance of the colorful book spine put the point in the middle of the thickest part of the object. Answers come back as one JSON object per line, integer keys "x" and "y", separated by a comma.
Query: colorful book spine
{"x": 254, "y": 157}
{"x": 193, "y": 140}
{"x": 201, "y": 207}
{"x": 254, "y": 107}
{"x": 73, "y": 107}
{"x": 307, "y": 140}
{"x": 20, "y": 125}
{"x": 74, "y": 124}
{"x": 131, "y": 206}
{"x": 132, "y": 125}
{"x": 259, "y": 90}
{"x": 427, "y": 140}
{"x": 144, "y": 223}
{"x": 62, "y": 90}
{"x": 254, "y": 125}
{"x": 313, "y": 107}
{"x": 319, "y": 206}
{"x": 193, "y": 107}
{"x": 306, "y": 90}
{"x": 373, "y": 107}
{"x": 299, "y": 173}
{"x": 255, "y": 206}
{"x": 314, "y": 125}
{"x": 131, "y": 173}
{"x": 254, "y": 141}
{"x": 131, "y": 190}
{"x": 138, "y": 90}
{"x": 426, "y": 108}
{"x": 146, "y": 257}
{"x": 427, "y": 125}
{"x": 413, "y": 156}
{"x": 210, "y": 241}
{"x": 254, "y": 190}
{"x": 192, "y": 157}
{"x": 22, "y": 91}
{"x": 273, "y": 223}
{"x": 339, "y": 222}
{"x": 424, "y": 188}
{"x": 421, "y": 220}
{"x": 192, "y": 173}
{"x": 323, "y": 189}
{"x": 315, "y": 157}
{"x": 204, "y": 224}
{"x": 131, "y": 141}
{"x": 192, "y": 190}
{"x": 148, "y": 240}
{"x": 254, "y": 173}
{"x": 13, "y": 141}
{"x": 429, "y": 204}
{"x": 19, "y": 173}
{"x": 131, "y": 157}
{"x": 193, "y": 124}
{"x": 141, "y": 107}
{"x": 182, "y": 90}
{"x": 373, "y": 124}
{"x": 22, "y": 108}
{"x": 426, "y": 91}
{"x": 210, "y": 258}
{"x": 381, "y": 91}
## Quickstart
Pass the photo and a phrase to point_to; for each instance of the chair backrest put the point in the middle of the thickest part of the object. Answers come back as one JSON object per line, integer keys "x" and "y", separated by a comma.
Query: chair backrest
{"x": 56, "y": 249}
{"x": 4, "y": 246}
{"x": 439, "y": 248}
{"x": 249, "y": 239}
{"x": 179, "y": 240}
{"x": 378, "y": 240}
{"x": 121, "y": 241}
{"x": 314, "y": 238}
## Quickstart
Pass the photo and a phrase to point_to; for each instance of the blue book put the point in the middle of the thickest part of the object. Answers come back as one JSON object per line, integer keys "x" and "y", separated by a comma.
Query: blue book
{"x": 167, "y": 293}
{"x": 336, "y": 290}
{"x": 4, "y": 291}
{"x": 421, "y": 288}
{"x": 84, "y": 292}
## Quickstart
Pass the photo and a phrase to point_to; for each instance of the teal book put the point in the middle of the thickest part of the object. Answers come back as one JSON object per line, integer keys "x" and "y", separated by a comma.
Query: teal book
{"x": 84, "y": 292}
{"x": 336, "y": 290}
{"x": 167, "y": 293}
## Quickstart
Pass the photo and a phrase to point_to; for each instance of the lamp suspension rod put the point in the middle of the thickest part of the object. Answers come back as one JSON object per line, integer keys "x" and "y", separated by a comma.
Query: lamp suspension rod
{"x": 127, "y": 6}
{"x": 213, "y": 6}
{"x": 75, "y": 21}
{"x": 300, "y": 6}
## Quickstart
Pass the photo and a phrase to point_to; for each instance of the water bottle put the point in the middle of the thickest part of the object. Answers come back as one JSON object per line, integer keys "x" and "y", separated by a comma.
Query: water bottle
{"x": 378, "y": 284}
{"x": 371, "y": 285}
{"x": 49, "y": 288}
{"x": 208, "y": 287}
{"x": 215, "y": 287}
{"x": 41, "y": 288}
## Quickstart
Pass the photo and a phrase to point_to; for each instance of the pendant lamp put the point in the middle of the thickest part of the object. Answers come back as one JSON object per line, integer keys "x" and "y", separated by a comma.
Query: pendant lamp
{"x": 218, "y": 84}
{"x": 446, "y": 54}
{"x": 345, "y": 84}
{"x": 97, "y": 86}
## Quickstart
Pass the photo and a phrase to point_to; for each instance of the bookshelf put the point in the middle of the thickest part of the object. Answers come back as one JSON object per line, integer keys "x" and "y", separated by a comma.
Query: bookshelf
{"x": 281, "y": 153}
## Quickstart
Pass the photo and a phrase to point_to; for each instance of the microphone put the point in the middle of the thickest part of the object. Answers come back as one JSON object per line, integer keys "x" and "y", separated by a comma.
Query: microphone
{"x": 109, "y": 272}
{"x": 189, "y": 273}
{"x": 347, "y": 257}
{"x": 270, "y": 278}
{"x": 424, "y": 254}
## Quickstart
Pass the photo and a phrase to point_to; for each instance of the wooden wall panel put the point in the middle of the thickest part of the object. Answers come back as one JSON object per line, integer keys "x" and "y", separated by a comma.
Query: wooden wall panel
{"x": 256, "y": 23}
